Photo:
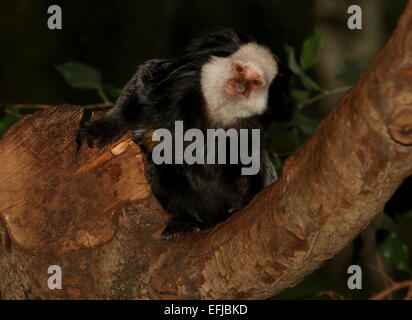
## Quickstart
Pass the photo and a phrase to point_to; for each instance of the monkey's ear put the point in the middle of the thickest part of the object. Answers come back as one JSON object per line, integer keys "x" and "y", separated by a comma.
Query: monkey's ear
{"x": 280, "y": 103}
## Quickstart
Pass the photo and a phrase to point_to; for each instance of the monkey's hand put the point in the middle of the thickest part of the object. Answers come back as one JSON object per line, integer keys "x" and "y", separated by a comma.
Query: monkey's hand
{"x": 99, "y": 133}
{"x": 177, "y": 226}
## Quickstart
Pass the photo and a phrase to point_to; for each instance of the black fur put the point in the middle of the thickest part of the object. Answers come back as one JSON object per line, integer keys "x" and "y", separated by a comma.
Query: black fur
{"x": 161, "y": 92}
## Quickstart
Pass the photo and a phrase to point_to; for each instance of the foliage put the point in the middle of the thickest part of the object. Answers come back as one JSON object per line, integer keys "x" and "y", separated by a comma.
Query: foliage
{"x": 395, "y": 251}
{"x": 302, "y": 124}
{"x": 81, "y": 76}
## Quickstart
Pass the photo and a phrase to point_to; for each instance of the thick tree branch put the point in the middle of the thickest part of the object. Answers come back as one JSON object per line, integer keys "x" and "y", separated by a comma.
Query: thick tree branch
{"x": 97, "y": 219}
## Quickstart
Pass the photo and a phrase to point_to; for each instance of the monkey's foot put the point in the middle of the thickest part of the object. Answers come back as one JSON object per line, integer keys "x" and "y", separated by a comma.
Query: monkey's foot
{"x": 177, "y": 227}
{"x": 99, "y": 133}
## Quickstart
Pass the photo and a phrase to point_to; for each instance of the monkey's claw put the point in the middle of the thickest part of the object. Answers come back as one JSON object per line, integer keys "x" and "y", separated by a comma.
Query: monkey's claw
{"x": 98, "y": 133}
{"x": 176, "y": 228}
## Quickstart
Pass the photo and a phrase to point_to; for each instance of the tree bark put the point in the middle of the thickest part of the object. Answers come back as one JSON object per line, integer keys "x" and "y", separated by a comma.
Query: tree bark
{"x": 96, "y": 218}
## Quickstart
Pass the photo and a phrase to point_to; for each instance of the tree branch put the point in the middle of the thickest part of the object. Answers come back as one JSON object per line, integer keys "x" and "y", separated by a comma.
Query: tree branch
{"x": 97, "y": 219}
{"x": 324, "y": 94}
{"x": 394, "y": 288}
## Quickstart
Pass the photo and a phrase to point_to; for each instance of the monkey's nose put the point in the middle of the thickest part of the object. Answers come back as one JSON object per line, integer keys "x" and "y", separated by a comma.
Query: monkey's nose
{"x": 237, "y": 88}
{"x": 241, "y": 86}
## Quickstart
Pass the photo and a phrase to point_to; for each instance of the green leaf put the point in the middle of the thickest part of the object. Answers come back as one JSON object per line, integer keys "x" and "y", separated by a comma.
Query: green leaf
{"x": 395, "y": 252}
{"x": 350, "y": 73}
{"x": 292, "y": 62}
{"x": 311, "y": 50}
{"x": 300, "y": 96}
{"x": 112, "y": 92}
{"x": 307, "y": 82}
{"x": 81, "y": 76}
{"x": 11, "y": 115}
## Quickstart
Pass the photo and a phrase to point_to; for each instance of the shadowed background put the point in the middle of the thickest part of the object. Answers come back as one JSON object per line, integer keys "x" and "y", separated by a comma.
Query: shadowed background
{"x": 115, "y": 36}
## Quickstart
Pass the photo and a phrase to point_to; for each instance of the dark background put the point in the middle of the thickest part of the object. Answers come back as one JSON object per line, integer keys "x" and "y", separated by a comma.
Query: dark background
{"x": 115, "y": 36}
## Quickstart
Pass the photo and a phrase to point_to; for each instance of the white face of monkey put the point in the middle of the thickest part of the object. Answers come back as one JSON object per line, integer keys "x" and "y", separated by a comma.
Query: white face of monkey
{"x": 237, "y": 86}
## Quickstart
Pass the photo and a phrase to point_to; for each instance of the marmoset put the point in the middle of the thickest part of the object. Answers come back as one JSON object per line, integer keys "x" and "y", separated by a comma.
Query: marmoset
{"x": 223, "y": 80}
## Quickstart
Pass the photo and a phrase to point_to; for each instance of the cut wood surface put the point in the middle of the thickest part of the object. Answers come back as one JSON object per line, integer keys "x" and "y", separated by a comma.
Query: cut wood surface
{"x": 96, "y": 217}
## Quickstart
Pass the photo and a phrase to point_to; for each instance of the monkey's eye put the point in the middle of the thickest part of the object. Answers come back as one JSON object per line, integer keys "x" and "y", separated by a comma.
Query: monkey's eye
{"x": 257, "y": 83}
{"x": 239, "y": 69}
